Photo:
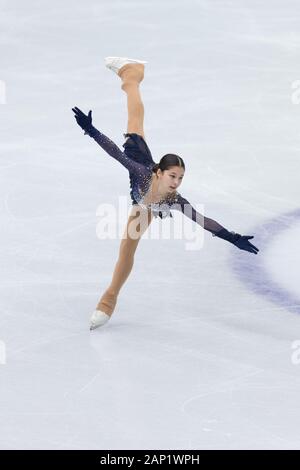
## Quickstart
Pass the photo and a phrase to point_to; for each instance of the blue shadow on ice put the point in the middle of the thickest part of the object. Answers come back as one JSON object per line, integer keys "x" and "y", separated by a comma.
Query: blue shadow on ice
{"x": 251, "y": 269}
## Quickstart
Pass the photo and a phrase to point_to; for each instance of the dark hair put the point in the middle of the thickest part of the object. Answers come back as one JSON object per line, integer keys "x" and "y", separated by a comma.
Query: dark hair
{"x": 168, "y": 160}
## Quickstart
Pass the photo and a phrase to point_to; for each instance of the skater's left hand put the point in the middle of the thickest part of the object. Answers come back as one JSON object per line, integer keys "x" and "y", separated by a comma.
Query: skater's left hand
{"x": 243, "y": 243}
{"x": 83, "y": 120}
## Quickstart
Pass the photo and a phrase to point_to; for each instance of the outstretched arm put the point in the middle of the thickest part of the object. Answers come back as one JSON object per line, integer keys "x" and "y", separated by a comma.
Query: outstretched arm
{"x": 241, "y": 241}
{"x": 85, "y": 122}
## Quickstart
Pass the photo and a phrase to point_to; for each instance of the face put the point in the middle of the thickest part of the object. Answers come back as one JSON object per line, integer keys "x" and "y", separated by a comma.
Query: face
{"x": 171, "y": 179}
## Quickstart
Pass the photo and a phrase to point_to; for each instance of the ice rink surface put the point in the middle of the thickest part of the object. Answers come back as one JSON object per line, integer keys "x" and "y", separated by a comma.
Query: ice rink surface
{"x": 202, "y": 351}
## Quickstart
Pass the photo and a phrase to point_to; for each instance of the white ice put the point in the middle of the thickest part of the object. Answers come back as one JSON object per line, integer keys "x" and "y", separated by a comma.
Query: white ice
{"x": 196, "y": 356}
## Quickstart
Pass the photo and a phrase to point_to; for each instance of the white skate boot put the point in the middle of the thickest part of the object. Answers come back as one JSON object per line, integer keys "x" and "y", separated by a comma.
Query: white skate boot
{"x": 98, "y": 318}
{"x": 116, "y": 63}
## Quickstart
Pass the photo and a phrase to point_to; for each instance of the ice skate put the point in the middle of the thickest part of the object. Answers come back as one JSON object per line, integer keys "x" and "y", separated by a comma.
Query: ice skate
{"x": 98, "y": 318}
{"x": 116, "y": 63}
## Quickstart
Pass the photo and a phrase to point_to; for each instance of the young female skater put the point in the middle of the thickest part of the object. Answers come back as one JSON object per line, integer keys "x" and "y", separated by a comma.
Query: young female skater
{"x": 153, "y": 186}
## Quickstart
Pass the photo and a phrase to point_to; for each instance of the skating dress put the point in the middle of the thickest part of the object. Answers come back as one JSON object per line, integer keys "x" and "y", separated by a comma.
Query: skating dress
{"x": 137, "y": 159}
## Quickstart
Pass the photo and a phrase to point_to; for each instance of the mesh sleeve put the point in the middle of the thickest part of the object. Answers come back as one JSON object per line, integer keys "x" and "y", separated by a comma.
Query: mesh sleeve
{"x": 114, "y": 151}
{"x": 188, "y": 210}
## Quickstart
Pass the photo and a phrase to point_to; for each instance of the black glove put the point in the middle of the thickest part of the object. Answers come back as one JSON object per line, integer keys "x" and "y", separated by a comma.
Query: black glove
{"x": 84, "y": 121}
{"x": 241, "y": 241}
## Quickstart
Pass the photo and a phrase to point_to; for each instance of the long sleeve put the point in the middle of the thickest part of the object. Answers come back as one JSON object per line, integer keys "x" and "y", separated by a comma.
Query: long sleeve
{"x": 114, "y": 151}
{"x": 188, "y": 210}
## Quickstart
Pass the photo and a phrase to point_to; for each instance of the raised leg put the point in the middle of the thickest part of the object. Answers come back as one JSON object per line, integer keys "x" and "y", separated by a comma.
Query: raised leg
{"x": 131, "y": 76}
{"x": 137, "y": 223}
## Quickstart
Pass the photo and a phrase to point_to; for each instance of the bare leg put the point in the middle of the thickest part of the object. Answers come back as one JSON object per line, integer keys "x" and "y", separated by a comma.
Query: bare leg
{"x": 139, "y": 219}
{"x": 131, "y": 76}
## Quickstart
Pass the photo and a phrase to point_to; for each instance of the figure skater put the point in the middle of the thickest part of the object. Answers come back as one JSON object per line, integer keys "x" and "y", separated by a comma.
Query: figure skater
{"x": 153, "y": 185}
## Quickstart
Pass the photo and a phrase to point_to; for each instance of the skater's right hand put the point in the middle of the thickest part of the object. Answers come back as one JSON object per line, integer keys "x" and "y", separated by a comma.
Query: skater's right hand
{"x": 83, "y": 120}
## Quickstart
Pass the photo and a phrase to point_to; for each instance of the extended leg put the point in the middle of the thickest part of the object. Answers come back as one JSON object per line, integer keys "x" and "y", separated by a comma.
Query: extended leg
{"x": 137, "y": 224}
{"x": 131, "y": 76}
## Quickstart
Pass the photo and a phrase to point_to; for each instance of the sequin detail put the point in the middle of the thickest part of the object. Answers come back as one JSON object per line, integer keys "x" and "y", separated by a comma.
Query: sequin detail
{"x": 137, "y": 159}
